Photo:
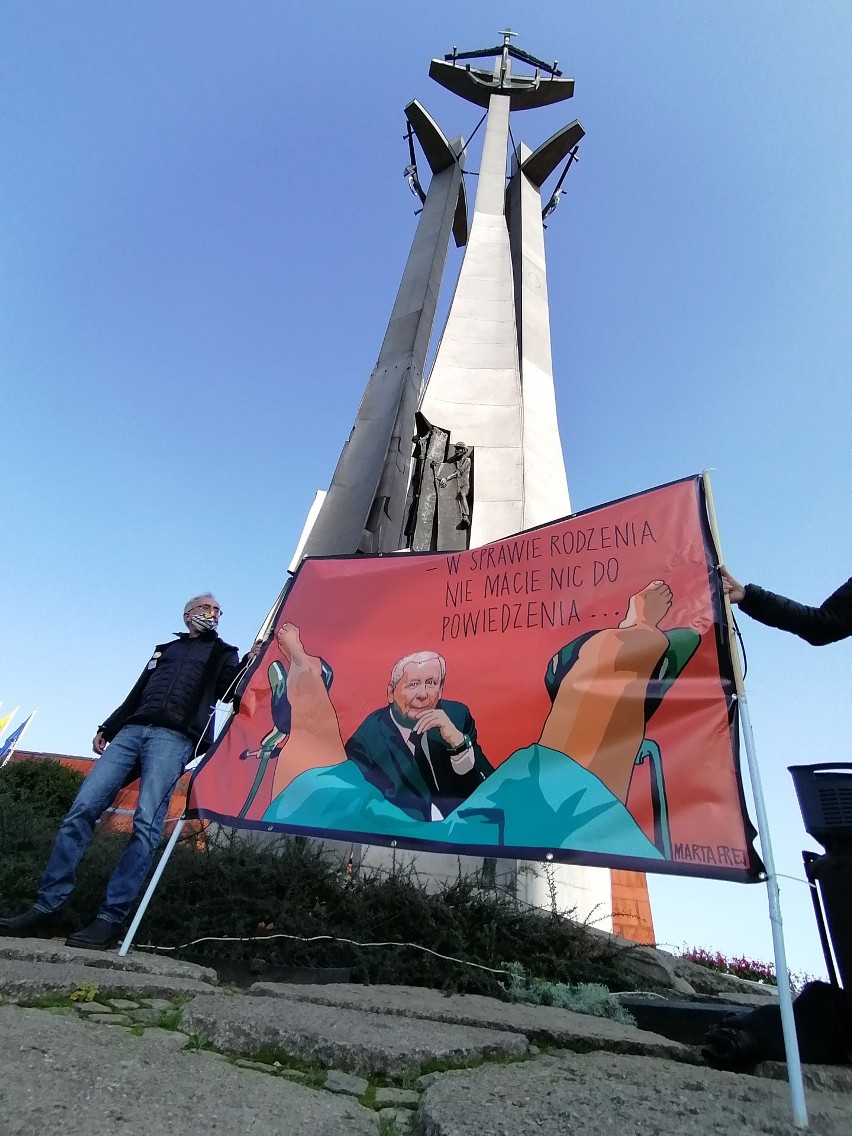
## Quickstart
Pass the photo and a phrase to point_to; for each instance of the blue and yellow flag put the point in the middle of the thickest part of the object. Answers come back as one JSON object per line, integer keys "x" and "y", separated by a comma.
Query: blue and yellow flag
{"x": 8, "y": 747}
{"x": 7, "y": 718}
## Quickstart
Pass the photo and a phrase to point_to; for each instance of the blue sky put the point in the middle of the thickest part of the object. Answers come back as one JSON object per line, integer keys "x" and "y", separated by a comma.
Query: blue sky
{"x": 203, "y": 220}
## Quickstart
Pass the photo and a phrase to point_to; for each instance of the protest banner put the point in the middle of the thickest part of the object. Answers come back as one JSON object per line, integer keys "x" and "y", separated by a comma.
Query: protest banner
{"x": 566, "y": 693}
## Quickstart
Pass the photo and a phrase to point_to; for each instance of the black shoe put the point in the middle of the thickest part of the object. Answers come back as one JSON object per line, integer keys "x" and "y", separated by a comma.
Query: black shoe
{"x": 28, "y": 925}
{"x": 98, "y": 936}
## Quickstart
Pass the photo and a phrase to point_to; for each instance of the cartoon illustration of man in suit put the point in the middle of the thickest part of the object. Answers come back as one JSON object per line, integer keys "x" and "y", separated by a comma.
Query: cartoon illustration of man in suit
{"x": 567, "y": 789}
{"x": 420, "y": 751}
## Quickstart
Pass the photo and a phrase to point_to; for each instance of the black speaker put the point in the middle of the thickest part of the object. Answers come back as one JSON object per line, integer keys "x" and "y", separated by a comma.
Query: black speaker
{"x": 825, "y": 800}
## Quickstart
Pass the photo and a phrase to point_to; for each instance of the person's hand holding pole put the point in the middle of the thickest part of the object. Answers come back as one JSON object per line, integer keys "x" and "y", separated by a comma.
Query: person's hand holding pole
{"x": 732, "y": 588}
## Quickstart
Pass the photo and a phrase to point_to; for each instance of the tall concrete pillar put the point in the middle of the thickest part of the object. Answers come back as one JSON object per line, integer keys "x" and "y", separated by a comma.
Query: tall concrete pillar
{"x": 474, "y": 388}
{"x": 491, "y": 384}
{"x": 545, "y": 480}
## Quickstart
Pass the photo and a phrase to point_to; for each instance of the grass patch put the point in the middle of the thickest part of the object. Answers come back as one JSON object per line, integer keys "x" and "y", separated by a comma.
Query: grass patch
{"x": 168, "y": 1019}
{"x": 439, "y": 1066}
{"x": 389, "y": 1127}
{"x": 197, "y": 1040}
{"x": 315, "y": 1074}
{"x": 47, "y": 1002}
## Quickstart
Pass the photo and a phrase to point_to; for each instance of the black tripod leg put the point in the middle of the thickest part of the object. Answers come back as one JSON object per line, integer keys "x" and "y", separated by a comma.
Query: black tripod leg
{"x": 808, "y": 858}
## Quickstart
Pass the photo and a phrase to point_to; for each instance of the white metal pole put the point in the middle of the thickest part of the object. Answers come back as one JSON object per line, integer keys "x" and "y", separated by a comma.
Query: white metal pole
{"x": 152, "y": 887}
{"x": 785, "y": 998}
{"x": 24, "y": 729}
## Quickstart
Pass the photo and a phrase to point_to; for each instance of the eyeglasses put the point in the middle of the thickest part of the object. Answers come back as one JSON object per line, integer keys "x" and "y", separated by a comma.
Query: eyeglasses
{"x": 208, "y": 609}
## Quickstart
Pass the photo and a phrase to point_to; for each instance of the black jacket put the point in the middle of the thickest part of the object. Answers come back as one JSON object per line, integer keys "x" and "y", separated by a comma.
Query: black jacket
{"x": 828, "y": 623}
{"x": 179, "y": 688}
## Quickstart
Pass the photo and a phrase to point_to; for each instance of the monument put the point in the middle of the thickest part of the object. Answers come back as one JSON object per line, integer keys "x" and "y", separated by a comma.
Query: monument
{"x": 471, "y": 453}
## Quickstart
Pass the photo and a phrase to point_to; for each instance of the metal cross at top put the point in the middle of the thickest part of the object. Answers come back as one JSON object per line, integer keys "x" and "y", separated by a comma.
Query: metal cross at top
{"x": 543, "y": 87}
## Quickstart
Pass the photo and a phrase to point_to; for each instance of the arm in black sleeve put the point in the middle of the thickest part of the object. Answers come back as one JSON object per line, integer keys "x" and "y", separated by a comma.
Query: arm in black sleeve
{"x": 232, "y": 666}
{"x": 828, "y": 623}
{"x": 118, "y": 717}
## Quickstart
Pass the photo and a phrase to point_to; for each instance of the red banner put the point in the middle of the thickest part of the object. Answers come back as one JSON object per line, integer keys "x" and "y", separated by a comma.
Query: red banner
{"x": 565, "y": 693}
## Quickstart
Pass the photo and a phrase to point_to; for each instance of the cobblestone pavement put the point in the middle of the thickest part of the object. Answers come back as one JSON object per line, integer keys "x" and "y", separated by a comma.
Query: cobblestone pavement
{"x": 93, "y": 1044}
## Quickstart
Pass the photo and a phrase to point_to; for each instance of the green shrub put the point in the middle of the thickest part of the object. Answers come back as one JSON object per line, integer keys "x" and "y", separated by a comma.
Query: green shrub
{"x": 235, "y": 885}
{"x": 584, "y": 998}
{"x": 34, "y": 796}
{"x": 45, "y": 786}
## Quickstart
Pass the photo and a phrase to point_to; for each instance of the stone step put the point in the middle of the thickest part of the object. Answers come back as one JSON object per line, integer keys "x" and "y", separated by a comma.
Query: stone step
{"x": 63, "y": 1075}
{"x": 350, "y": 1039}
{"x": 611, "y": 1095}
{"x": 137, "y": 962}
{"x": 23, "y": 981}
{"x": 540, "y": 1023}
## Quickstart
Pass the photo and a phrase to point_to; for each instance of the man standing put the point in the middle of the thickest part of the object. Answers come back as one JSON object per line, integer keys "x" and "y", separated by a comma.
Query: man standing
{"x": 420, "y": 750}
{"x": 164, "y": 720}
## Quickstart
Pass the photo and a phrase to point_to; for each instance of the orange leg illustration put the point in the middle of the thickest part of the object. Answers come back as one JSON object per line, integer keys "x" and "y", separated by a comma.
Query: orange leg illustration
{"x": 314, "y": 730}
{"x": 598, "y": 714}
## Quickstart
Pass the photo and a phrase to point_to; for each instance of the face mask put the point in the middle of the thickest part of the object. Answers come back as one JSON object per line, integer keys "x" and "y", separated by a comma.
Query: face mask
{"x": 204, "y": 622}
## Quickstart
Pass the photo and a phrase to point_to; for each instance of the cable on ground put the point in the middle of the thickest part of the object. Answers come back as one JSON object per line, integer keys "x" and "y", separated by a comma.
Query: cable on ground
{"x": 316, "y": 939}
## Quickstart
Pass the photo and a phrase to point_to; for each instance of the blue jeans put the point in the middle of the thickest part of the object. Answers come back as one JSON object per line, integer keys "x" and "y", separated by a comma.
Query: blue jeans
{"x": 158, "y": 756}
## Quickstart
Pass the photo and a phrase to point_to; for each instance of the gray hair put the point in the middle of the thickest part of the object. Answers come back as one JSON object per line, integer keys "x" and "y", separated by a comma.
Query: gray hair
{"x": 190, "y": 604}
{"x": 417, "y": 657}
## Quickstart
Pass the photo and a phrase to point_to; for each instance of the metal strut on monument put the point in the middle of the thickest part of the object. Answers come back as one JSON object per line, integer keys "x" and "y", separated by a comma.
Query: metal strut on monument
{"x": 365, "y": 504}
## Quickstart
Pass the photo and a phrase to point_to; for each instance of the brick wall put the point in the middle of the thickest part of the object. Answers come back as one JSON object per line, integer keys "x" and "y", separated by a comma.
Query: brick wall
{"x": 118, "y": 818}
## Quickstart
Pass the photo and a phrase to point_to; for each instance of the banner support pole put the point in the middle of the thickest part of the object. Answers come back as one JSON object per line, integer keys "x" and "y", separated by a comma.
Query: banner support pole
{"x": 152, "y": 887}
{"x": 785, "y": 997}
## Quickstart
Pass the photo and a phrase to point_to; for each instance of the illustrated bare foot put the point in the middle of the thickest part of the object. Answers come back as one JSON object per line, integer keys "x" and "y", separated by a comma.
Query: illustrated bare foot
{"x": 290, "y": 642}
{"x": 649, "y": 606}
